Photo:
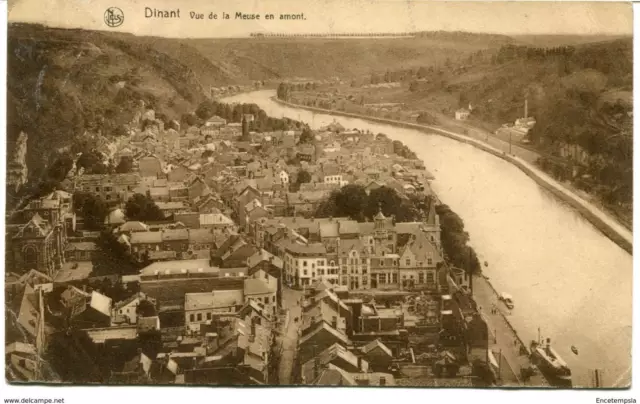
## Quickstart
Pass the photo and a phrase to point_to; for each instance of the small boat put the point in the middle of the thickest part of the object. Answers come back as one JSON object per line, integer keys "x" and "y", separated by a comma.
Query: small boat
{"x": 574, "y": 349}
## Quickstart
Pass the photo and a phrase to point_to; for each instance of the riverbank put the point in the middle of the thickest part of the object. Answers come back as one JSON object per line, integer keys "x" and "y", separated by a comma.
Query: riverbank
{"x": 614, "y": 231}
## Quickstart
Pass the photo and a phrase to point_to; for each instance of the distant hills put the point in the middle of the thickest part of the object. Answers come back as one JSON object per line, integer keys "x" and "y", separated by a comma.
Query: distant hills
{"x": 63, "y": 82}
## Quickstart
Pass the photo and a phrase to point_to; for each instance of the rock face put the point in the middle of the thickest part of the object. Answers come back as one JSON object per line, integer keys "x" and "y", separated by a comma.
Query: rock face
{"x": 17, "y": 171}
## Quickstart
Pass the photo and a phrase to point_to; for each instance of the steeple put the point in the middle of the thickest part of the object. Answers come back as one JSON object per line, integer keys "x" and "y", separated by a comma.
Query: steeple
{"x": 379, "y": 216}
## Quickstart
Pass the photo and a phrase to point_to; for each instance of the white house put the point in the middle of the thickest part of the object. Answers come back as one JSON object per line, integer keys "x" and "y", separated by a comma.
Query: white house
{"x": 462, "y": 114}
{"x": 262, "y": 288}
{"x": 284, "y": 177}
{"x": 304, "y": 262}
{"x": 125, "y": 311}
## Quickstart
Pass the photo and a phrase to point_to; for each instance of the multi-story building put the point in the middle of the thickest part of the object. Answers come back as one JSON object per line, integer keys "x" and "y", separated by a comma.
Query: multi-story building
{"x": 112, "y": 188}
{"x": 39, "y": 241}
{"x": 303, "y": 262}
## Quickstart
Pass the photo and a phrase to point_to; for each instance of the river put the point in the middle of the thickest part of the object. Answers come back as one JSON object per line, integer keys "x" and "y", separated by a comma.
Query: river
{"x": 566, "y": 277}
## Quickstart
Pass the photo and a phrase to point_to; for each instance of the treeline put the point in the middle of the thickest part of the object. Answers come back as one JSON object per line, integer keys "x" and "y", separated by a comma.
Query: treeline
{"x": 512, "y": 52}
{"x": 284, "y": 89}
{"x": 352, "y": 201}
{"x": 235, "y": 112}
{"x": 455, "y": 239}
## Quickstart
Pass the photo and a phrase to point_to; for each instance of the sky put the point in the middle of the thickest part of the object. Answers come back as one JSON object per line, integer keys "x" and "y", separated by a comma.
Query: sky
{"x": 334, "y": 16}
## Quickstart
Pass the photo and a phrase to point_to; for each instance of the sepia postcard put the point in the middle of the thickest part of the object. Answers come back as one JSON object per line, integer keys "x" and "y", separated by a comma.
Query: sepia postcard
{"x": 319, "y": 193}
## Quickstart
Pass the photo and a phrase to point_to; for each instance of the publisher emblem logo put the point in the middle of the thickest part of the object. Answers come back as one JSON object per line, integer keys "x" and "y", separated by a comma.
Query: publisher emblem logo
{"x": 113, "y": 17}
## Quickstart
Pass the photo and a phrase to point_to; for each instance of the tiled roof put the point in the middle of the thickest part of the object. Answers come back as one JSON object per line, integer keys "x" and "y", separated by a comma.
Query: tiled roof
{"x": 213, "y": 300}
{"x": 253, "y": 286}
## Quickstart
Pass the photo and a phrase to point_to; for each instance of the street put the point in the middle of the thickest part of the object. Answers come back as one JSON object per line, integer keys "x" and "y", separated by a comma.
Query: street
{"x": 289, "y": 336}
{"x": 502, "y": 339}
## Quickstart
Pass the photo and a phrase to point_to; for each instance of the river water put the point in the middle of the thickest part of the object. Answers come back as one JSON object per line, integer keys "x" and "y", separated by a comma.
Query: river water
{"x": 566, "y": 277}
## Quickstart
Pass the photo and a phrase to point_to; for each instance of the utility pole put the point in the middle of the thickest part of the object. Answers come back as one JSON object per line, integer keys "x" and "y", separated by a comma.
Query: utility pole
{"x": 500, "y": 365}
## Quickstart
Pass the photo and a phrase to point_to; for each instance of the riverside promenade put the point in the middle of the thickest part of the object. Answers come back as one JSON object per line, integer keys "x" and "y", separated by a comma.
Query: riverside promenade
{"x": 503, "y": 338}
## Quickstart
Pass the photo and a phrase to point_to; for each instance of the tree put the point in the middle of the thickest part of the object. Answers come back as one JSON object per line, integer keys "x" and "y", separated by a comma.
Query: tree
{"x": 350, "y": 201}
{"x": 146, "y": 309}
{"x": 205, "y": 110}
{"x": 284, "y": 91}
{"x": 454, "y": 240}
{"x": 306, "y": 136}
{"x": 426, "y": 118}
{"x": 303, "y": 177}
{"x": 113, "y": 258}
{"x": 92, "y": 162}
{"x": 125, "y": 165}
{"x": 189, "y": 120}
{"x": 142, "y": 208}
{"x": 60, "y": 168}
{"x": 245, "y": 130}
{"x": 92, "y": 209}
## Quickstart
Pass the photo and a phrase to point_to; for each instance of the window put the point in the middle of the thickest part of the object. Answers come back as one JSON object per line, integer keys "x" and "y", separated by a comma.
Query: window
{"x": 120, "y": 311}
{"x": 273, "y": 299}
{"x": 408, "y": 261}
{"x": 304, "y": 272}
{"x": 107, "y": 197}
{"x": 382, "y": 278}
{"x": 199, "y": 316}
{"x": 429, "y": 261}
{"x": 394, "y": 278}
{"x": 97, "y": 189}
{"x": 344, "y": 261}
{"x": 430, "y": 277}
{"x": 321, "y": 262}
{"x": 208, "y": 316}
{"x": 192, "y": 317}
{"x": 304, "y": 263}
{"x": 363, "y": 261}
{"x": 421, "y": 277}
{"x": 332, "y": 263}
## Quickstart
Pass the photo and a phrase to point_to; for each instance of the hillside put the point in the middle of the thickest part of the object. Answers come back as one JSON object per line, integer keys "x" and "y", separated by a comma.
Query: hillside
{"x": 62, "y": 83}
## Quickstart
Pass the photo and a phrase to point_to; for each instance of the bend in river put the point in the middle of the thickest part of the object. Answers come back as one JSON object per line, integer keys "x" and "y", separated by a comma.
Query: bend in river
{"x": 566, "y": 277}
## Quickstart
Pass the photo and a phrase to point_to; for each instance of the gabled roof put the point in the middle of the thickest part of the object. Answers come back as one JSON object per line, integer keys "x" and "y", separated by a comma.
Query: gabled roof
{"x": 376, "y": 344}
{"x": 324, "y": 326}
{"x": 28, "y": 314}
{"x": 263, "y": 255}
{"x": 101, "y": 303}
{"x": 37, "y": 225}
{"x": 133, "y": 226}
{"x": 334, "y": 376}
